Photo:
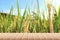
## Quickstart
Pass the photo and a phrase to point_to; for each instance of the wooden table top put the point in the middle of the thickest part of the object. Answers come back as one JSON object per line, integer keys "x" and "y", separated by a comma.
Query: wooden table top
{"x": 29, "y": 36}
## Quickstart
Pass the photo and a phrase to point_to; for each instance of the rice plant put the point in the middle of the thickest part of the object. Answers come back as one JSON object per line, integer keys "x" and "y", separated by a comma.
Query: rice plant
{"x": 30, "y": 22}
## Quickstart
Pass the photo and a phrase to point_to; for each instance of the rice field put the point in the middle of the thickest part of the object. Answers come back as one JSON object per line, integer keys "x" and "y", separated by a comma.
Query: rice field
{"x": 30, "y": 23}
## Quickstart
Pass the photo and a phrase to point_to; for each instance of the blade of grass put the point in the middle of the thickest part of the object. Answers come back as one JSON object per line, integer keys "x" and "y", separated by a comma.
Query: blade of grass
{"x": 18, "y": 9}
{"x": 21, "y": 23}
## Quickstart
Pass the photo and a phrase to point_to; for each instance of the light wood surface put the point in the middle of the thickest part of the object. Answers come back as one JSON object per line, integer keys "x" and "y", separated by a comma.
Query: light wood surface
{"x": 29, "y": 36}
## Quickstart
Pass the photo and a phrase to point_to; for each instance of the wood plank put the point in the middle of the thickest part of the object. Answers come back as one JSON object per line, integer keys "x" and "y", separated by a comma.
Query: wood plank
{"x": 25, "y": 36}
{"x": 30, "y": 36}
{"x": 36, "y": 36}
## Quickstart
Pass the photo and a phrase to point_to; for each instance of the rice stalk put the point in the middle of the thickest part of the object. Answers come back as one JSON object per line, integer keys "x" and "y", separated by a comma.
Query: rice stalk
{"x": 58, "y": 19}
{"x": 21, "y": 23}
{"x": 9, "y": 19}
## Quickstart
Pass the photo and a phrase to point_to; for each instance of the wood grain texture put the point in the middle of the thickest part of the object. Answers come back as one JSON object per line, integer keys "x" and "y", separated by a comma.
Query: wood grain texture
{"x": 29, "y": 36}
